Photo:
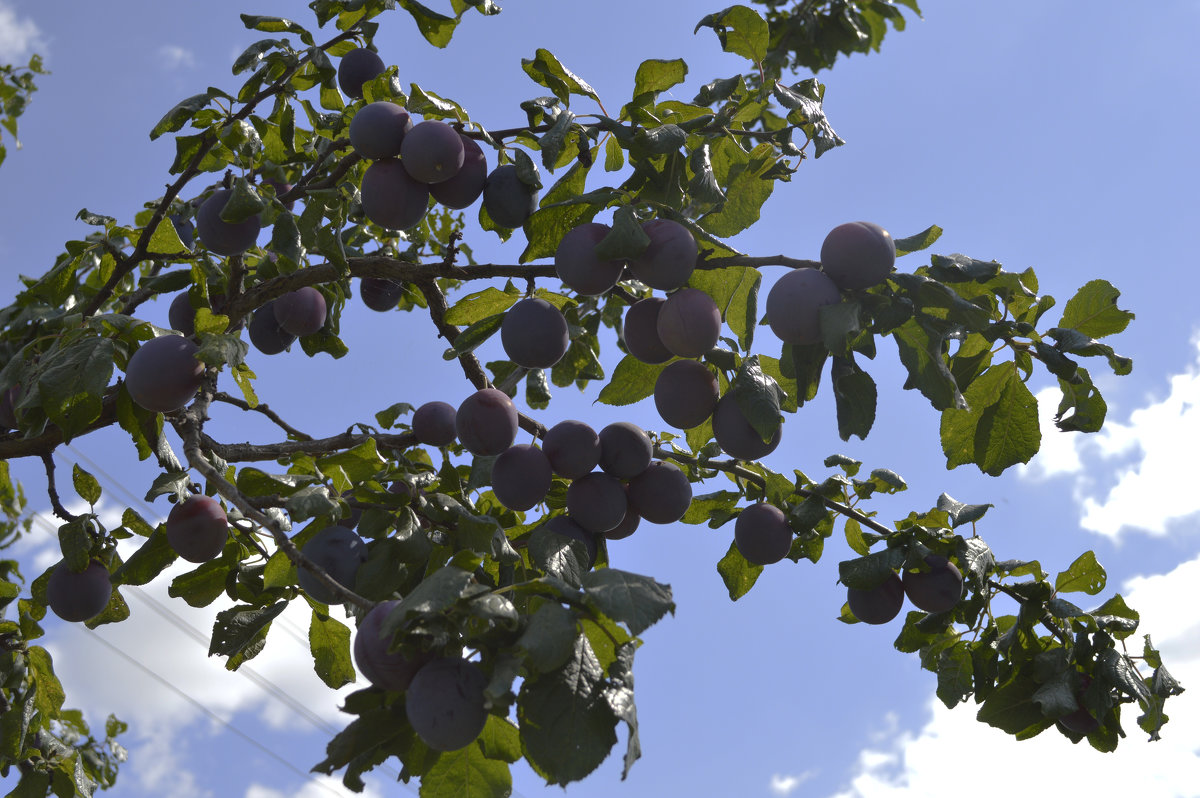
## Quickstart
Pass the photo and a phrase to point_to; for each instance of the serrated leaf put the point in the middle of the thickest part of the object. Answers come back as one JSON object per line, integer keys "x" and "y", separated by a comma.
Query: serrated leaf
{"x": 240, "y": 632}
{"x": 636, "y": 601}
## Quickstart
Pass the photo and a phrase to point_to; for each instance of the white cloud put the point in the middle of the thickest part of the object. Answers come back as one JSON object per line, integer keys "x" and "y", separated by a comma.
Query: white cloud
{"x": 176, "y": 57}
{"x": 1150, "y": 455}
{"x": 943, "y": 759}
{"x": 786, "y": 785}
{"x": 317, "y": 787}
{"x": 19, "y": 37}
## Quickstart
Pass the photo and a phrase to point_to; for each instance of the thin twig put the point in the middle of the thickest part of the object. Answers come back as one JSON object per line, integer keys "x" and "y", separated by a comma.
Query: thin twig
{"x": 52, "y": 490}
{"x": 221, "y": 396}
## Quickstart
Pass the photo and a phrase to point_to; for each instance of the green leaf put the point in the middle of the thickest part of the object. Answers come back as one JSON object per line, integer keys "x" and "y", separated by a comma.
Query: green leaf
{"x": 72, "y": 383}
{"x": 961, "y": 513}
{"x": 549, "y": 638}
{"x": 656, "y": 76}
{"x": 867, "y": 573}
{"x": 632, "y": 381}
{"x": 759, "y": 398}
{"x": 636, "y": 601}
{"x": 1011, "y": 707}
{"x": 918, "y": 242}
{"x": 955, "y": 674}
{"x": 436, "y": 28}
{"x": 1085, "y": 575}
{"x": 546, "y": 69}
{"x": 1093, "y": 311}
{"x": 85, "y": 485}
{"x": 240, "y": 632}
{"x": 738, "y": 572}
{"x": 473, "y": 336}
{"x": 923, "y": 355}
{"x": 329, "y": 641}
{"x": 439, "y": 591}
{"x": 466, "y": 773}
{"x": 481, "y": 305}
{"x": 182, "y": 113}
{"x": 49, "y": 693}
{"x": 150, "y": 560}
{"x": 741, "y": 30}
{"x": 1000, "y": 428}
{"x": 855, "y": 395}
{"x": 201, "y": 586}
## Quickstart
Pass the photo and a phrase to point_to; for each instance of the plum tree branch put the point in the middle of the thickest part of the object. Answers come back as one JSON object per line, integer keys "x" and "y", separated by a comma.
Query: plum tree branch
{"x": 52, "y": 490}
{"x": 221, "y": 396}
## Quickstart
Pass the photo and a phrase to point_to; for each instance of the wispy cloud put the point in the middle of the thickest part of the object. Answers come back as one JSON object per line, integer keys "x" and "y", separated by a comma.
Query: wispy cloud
{"x": 786, "y": 785}
{"x": 20, "y": 37}
{"x": 1150, "y": 454}
{"x": 176, "y": 57}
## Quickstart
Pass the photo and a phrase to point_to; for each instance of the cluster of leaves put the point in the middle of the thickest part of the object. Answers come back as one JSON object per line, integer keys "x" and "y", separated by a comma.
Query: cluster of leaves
{"x": 555, "y": 635}
{"x": 16, "y": 89}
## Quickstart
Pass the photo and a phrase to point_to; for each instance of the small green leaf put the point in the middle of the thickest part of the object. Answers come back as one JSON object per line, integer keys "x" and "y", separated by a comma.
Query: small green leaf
{"x": 738, "y": 572}
{"x": 85, "y": 485}
{"x": 240, "y": 632}
{"x": 1093, "y": 311}
{"x": 632, "y": 381}
{"x": 329, "y": 641}
{"x": 1085, "y": 575}
{"x": 483, "y": 304}
{"x": 741, "y": 30}
{"x": 918, "y": 242}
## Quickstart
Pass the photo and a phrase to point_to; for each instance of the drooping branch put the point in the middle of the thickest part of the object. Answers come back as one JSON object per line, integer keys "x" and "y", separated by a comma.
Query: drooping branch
{"x": 221, "y": 396}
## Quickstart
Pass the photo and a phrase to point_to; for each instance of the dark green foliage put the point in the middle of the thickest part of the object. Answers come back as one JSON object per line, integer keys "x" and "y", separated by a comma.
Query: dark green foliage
{"x": 735, "y": 434}
{"x": 858, "y": 255}
{"x": 577, "y": 265}
{"x": 164, "y": 374}
{"x": 8, "y": 403}
{"x": 509, "y": 201}
{"x": 392, "y": 199}
{"x": 521, "y": 476}
{"x": 222, "y": 237}
{"x": 301, "y": 312}
{"x": 689, "y": 323}
{"x": 938, "y": 589}
{"x": 794, "y": 304}
{"x": 356, "y": 68}
{"x": 266, "y": 334}
{"x": 486, "y": 422}
{"x": 181, "y": 316}
{"x": 879, "y": 604}
{"x": 686, "y": 393}
{"x": 379, "y": 293}
{"x": 625, "y": 449}
{"x": 445, "y": 703}
{"x": 661, "y": 493}
{"x": 197, "y": 528}
{"x": 78, "y": 595}
{"x": 596, "y": 502}
{"x": 433, "y": 423}
{"x": 378, "y": 129}
{"x": 572, "y": 447}
{"x": 391, "y": 670}
{"x": 432, "y": 152}
{"x": 762, "y": 534}
{"x": 641, "y": 331}
{"x": 340, "y": 553}
{"x": 280, "y": 187}
{"x": 534, "y": 333}
{"x": 466, "y": 186}
{"x": 668, "y": 262}
{"x": 568, "y": 527}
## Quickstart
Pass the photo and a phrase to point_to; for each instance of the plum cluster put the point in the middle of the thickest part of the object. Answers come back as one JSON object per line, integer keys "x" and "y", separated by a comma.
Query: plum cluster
{"x": 935, "y": 587}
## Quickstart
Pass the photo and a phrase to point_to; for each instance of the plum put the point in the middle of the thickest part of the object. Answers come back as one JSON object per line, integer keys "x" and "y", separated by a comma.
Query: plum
{"x": 340, "y": 552}
{"x": 762, "y": 534}
{"x": 534, "y": 333}
{"x": 378, "y": 129}
{"x": 936, "y": 590}
{"x": 301, "y": 312}
{"x": 509, "y": 201}
{"x": 464, "y": 188}
{"x": 266, "y": 334}
{"x": 794, "y": 305}
{"x": 879, "y": 604}
{"x": 596, "y": 502}
{"x": 629, "y": 523}
{"x": 486, "y": 422}
{"x": 181, "y": 316}
{"x": 197, "y": 528}
{"x": 625, "y": 449}
{"x": 433, "y": 424}
{"x": 281, "y": 187}
{"x": 356, "y": 68}
{"x": 78, "y": 595}
{"x": 432, "y": 152}
{"x": 661, "y": 493}
{"x": 858, "y": 255}
{"x": 521, "y": 476}
{"x": 669, "y": 260}
{"x": 220, "y": 236}
{"x": 686, "y": 393}
{"x": 390, "y": 670}
{"x": 445, "y": 703}
{"x": 163, "y": 374}
{"x": 641, "y": 331}
{"x": 380, "y": 293}
{"x": 391, "y": 198}
{"x": 736, "y": 436}
{"x": 576, "y": 263}
{"x": 572, "y": 447}
{"x": 689, "y": 323}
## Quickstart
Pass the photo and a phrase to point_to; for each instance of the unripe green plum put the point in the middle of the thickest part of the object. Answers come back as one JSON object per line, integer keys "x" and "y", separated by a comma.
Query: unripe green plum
{"x": 356, "y": 68}
{"x": 433, "y": 424}
{"x": 534, "y": 333}
{"x": 573, "y": 448}
{"x": 390, "y": 670}
{"x": 686, "y": 393}
{"x": 521, "y": 476}
{"x": 78, "y": 595}
{"x": 794, "y": 305}
{"x": 432, "y": 152}
{"x": 222, "y": 237}
{"x": 576, "y": 264}
{"x": 509, "y": 201}
{"x": 197, "y": 529}
{"x": 301, "y": 312}
{"x": 340, "y": 552}
{"x": 937, "y": 590}
{"x": 625, "y": 449}
{"x": 266, "y": 334}
{"x": 736, "y": 436}
{"x": 445, "y": 703}
{"x": 641, "y": 331}
{"x": 464, "y": 188}
{"x": 762, "y": 534}
{"x": 669, "y": 260}
{"x": 378, "y": 129}
{"x": 689, "y": 323}
{"x": 661, "y": 493}
{"x": 163, "y": 374}
{"x": 596, "y": 502}
{"x": 379, "y": 293}
{"x": 486, "y": 422}
{"x": 879, "y": 604}
{"x": 858, "y": 255}
{"x": 391, "y": 198}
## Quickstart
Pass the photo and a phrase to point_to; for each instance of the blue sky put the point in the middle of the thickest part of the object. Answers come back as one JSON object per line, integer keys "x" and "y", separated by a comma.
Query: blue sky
{"x": 1034, "y": 134}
